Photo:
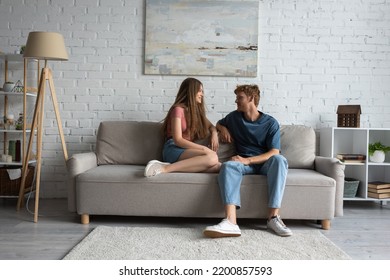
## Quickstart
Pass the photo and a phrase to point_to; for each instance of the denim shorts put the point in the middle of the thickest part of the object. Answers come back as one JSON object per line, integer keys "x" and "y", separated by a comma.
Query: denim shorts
{"x": 171, "y": 152}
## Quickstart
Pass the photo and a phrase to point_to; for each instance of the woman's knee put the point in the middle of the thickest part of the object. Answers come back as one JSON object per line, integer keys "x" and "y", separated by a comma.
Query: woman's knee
{"x": 212, "y": 158}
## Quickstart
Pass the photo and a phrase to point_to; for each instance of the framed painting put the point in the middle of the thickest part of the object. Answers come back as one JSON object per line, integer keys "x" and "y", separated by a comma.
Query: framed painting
{"x": 211, "y": 38}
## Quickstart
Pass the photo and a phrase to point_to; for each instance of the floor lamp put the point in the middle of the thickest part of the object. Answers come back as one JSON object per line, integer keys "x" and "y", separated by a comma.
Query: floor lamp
{"x": 42, "y": 46}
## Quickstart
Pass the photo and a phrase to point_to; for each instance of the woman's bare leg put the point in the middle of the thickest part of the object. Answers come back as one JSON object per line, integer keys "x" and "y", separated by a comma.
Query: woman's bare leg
{"x": 192, "y": 160}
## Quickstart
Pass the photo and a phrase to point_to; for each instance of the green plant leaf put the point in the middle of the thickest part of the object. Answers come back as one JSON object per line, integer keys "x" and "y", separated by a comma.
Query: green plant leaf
{"x": 377, "y": 146}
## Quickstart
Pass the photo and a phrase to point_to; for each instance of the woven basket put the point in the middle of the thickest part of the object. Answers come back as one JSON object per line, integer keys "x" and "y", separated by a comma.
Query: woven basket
{"x": 350, "y": 187}
{"x": 11, "y": 187}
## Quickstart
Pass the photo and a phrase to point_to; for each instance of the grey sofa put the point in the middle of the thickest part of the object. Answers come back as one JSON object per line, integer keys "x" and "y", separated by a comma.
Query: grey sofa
{"x": 110, "y": 181}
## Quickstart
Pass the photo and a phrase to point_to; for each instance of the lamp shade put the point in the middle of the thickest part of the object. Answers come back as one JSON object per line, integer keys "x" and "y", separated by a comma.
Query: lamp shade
{"x": 45, "y": 45}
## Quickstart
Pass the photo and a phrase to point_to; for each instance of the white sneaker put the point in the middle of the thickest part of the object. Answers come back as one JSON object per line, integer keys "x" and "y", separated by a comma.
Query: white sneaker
{"x": 223, "y": 229}
{"x": 276, "y": 225}
{"x": 153, "y": 168}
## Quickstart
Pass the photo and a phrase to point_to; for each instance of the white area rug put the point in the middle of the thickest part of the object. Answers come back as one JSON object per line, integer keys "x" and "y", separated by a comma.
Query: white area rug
{"x": 154, "y": 243}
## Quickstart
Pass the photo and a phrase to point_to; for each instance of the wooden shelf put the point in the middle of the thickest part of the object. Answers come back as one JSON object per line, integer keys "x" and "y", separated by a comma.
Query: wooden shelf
{"x": 15, "y": 163}
{"x": 19, "y": 98}
{"x": 14, "y": 130}
{"x": 12, "y": 57}
{"x": 10, "y": 94}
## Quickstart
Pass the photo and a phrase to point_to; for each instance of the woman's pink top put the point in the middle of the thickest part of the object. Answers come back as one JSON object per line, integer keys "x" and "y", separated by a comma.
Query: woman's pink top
{"x": 178, "y": 112}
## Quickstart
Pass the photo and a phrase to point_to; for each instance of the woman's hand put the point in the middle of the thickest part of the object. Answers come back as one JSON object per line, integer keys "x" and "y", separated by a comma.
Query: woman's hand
{"x": 214, "y": 142}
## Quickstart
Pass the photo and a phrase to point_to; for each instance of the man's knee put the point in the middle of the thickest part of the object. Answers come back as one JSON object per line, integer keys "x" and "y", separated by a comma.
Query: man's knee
{"x": 279, "y": 161}
{"x": 279, "y": 158}
{"x": 230, "y": 165}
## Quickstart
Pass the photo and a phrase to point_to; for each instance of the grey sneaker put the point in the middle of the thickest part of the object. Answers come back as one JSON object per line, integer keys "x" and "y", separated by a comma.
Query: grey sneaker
{"x": 223, "y": 229}
{"x": 153, "y": 168}
{"x": 276, "y": 225}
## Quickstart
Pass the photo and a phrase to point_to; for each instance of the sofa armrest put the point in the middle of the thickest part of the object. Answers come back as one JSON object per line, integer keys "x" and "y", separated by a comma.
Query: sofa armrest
{"x": 332, "y": 167}
{"x": 77, "y": 164}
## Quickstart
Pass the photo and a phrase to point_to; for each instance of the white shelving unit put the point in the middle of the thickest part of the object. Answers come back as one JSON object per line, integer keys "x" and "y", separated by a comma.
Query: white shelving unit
{"x": 335, "y": 140}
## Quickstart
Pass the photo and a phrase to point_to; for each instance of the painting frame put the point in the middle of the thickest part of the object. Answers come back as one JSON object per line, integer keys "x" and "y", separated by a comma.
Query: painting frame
{"x": 201, "y": 38}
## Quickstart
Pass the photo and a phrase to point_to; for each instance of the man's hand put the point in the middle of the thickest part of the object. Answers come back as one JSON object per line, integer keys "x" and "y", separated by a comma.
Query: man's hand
{"x": 256, "y": 159}
{"x": 224, "y": 134}
{"x": 243, "y": 160}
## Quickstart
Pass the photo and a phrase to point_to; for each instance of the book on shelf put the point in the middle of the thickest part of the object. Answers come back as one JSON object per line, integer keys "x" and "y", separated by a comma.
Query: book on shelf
{"x": 378, "y": 185}
{"x": 351, "y": 157}
{"x": 379, "y": 190}
{"x": 352, "y": 160}
{"x": 378, "y": 195}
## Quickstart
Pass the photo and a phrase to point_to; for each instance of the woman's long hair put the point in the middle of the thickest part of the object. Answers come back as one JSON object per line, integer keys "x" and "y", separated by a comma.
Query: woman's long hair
{"x": 195, "y": 113}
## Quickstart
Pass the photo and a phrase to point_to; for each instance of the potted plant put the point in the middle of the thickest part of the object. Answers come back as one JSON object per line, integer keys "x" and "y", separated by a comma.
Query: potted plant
{"x": 377, "y": 151}
{"x": 22, "y": 49}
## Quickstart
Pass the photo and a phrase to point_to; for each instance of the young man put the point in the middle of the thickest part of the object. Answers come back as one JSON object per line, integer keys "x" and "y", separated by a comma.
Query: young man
{"x": 256, "y": 137}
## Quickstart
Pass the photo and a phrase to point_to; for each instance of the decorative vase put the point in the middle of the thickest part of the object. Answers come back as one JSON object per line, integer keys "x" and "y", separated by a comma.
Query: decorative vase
{"x": 378, "y": 156}
{"x": 8, "y": 86}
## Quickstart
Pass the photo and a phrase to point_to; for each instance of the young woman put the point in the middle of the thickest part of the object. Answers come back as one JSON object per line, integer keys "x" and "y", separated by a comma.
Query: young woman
{"x": 185, "y": 122}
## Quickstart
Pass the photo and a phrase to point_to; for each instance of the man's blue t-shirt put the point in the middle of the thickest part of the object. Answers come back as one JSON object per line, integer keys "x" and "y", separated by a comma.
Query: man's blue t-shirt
{"x": 252, "y": 138}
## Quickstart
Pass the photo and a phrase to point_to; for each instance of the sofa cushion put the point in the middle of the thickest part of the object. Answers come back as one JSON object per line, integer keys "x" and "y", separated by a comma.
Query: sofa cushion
{"x": 128, "y": 142}
{"x": 131, "y": 142}
{"x": 123, "y": 190}
{"x": 298, "y": 145}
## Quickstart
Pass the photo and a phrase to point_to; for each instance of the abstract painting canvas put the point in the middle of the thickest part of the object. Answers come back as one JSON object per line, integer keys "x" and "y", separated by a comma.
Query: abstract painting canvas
{"x": 213, "y": 38}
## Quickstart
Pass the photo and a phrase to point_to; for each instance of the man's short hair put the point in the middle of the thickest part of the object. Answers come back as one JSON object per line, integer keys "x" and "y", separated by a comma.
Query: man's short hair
{"x": 250, "y": 91}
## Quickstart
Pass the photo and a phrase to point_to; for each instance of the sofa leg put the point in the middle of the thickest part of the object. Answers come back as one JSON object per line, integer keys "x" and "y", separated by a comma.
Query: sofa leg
{"x": 325, "y": 224}
{"x": 85, "y": 219}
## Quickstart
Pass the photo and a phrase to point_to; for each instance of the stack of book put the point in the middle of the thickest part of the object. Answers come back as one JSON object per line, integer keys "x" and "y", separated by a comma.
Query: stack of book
{"x": 351, "y": 158}
{"x": 378, "y": 189}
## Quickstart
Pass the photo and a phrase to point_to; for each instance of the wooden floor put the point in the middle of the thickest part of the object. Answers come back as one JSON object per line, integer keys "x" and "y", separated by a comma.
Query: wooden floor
{"x": 363, "y": 232}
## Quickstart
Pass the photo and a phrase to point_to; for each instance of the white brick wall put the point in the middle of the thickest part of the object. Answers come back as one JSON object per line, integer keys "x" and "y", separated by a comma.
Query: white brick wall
{"x": 313, "y": 56}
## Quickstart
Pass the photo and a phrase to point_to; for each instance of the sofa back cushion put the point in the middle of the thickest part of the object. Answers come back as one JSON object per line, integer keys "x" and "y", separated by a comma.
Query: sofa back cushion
{"x": 298, "y": 145}
{"x": 132, "y": 142}
{"x": 128, "y": 142}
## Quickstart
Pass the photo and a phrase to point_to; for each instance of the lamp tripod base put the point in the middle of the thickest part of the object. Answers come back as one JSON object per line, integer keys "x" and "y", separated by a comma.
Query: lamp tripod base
{"x": 37, "y": 125}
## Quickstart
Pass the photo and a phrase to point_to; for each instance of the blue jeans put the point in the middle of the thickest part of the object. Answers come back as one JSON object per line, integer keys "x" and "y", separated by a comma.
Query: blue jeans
{"x": 231, "y": 173}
